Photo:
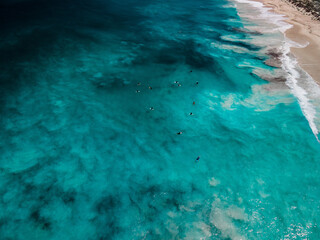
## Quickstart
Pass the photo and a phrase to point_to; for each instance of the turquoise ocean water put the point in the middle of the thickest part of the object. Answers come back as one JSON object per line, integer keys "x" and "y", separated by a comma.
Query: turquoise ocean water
{"x": 93, "y": 94}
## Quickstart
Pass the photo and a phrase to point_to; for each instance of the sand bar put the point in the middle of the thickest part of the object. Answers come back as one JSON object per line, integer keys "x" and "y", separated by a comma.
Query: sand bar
{"x": 305, "y": 30}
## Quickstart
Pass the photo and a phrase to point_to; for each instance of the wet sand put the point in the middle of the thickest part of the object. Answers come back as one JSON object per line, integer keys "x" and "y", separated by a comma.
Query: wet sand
{"x": 305, "y": 31}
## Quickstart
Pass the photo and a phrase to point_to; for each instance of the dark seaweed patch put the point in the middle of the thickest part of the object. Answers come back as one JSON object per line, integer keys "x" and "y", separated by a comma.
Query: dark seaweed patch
{"x": 243, "y": 30}
{"x": 38, "y": 219}
{"x": 248, "y": 46}
{"x": 106, "y": 219}
{"x": 68, "y": 197}
{"x": 106, "y": 204}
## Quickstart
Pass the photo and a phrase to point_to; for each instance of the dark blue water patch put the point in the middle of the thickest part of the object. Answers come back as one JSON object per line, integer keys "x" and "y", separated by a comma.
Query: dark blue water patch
{"x": 70, "y": 13}
{"x": 188, "y": 52}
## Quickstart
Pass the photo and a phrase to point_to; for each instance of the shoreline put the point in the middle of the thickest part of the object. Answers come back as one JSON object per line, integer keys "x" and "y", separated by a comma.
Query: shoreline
{"x": 304, "y": 30}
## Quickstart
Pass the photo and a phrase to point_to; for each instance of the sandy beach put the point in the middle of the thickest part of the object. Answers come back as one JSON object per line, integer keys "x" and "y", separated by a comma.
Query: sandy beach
{"x": 305, "y": 30}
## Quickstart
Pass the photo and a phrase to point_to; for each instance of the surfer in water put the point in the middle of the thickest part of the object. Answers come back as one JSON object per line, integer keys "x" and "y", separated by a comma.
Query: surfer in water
{"x": 197, "y": 159}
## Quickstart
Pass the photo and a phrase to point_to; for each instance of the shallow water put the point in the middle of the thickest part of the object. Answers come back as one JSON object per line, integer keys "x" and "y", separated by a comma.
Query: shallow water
{"x": 84, "y": 157}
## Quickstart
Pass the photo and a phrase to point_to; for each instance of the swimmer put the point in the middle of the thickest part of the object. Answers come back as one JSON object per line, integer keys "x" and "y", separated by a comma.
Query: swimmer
{"x": 197, "y": 82}
{"x": 198, "y": 158}
{"x": 191, "y": 71}
{"x": 176, "y": 82}
{"x": 151, "y": 109}
{"x": 150, "y": 88}
{"x": 191, "y": 113}
{"x": 179, "y": 133}
{"x": 139, "y": 83}
{"x": 179, "y": 85}
{"x": 137, "y": 91}
{"x": 194, "y": 103}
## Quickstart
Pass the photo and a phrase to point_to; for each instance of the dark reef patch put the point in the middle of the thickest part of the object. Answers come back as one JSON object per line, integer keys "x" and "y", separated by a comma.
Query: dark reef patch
{"x": 106, "y": 219}
{"x": 243, "y": 30}
{"x": 38, "y": 219}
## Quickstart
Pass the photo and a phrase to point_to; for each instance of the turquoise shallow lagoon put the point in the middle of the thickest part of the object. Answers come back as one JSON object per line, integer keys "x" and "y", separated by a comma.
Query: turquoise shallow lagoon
{"x": 93, "y": 94}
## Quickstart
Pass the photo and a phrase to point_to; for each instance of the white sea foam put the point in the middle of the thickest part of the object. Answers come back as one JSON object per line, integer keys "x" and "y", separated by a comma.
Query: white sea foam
{"x": 222, "y": 219}
{"x": 237, "y": 213}
{"x": 301, "y": 83}
{"x": 214, "y": 182}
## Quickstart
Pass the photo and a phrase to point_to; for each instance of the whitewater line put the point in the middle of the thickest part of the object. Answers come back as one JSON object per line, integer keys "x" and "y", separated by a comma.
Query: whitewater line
{"x": 290, "y": 64}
